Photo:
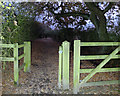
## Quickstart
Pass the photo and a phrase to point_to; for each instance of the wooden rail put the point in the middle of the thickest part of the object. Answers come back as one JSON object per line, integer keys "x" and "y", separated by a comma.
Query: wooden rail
{"x": 77, "y": 57}
{"x": 100, "y": 43}
{"x": 15, "y": 58}
{"x": 96, "y": 57}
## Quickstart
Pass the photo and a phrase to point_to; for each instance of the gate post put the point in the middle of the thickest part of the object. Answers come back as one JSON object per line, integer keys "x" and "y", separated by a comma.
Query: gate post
{"x": 60, "y": 67}
{"x": 76, "y": 66}
{"x": 66, "y": 47}
{"x": 27, "y": 57}
{"x": 16, "y": 70}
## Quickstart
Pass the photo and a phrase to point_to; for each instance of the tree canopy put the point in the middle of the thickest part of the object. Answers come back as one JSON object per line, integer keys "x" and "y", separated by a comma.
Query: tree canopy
{"x": 76, "y": 15}
{"x": 73, "y": 14}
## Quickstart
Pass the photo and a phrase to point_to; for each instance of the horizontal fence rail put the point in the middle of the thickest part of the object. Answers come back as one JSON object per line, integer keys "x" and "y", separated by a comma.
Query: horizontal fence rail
{"x": 77, "y": 58}
{"x": 26, "y": 55}
{"x": 100, "y": 43}
{"x": 102, "y": 70}
{"x": 7, "y": 45}
{"x": 101, "y": 83}
{"x": 95, "y": 57}
{"x": 6, "y": 58}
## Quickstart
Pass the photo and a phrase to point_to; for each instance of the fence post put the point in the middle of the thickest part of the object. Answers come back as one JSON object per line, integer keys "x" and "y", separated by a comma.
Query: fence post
{"x": 76, "y": 67}
{"x": 66, "y": 65}
{"x": 27, "y": 57}
{"x": 16, "y": 70}
{"x": 60, "y": 67}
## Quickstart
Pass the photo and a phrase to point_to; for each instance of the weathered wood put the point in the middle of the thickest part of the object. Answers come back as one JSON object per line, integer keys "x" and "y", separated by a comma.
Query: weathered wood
{"x": 94, "y": 57}
{"x": 16, "y": 69}
{"x": 66, "y": 65}
{"x": 7, "y": 58}
{"x": 101, "y": 70}
{"x": 60, "y": 67}
{"x": 21, "y": 56}
{"x": 100, "y": 66}
{"x": 101, "y": 83}
{"x": 27, "y": 56}
{"x": 7, "y": 45}
{"x": 100, "y": 43}
{"x": 76, "y": 66}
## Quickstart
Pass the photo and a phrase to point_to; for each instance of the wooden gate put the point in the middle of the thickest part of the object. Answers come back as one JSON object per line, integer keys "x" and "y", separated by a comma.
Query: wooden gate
{"x": 63, "y": 73}
{"x": 77, "y": 57}
{"x": 16, "y": 58}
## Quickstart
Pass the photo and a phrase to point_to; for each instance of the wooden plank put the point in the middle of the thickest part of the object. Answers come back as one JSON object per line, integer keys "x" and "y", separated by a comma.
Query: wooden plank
{"x": 60, "y": 67}
{"x": 7, "y": 45}
{"x": 66, "y": 65}
{"x": 20, "y": 46}
{"x": 99, "y": 83}
{"x": 27, "y": 56}
{"x": 16, "y": 69}
{"x": 100, "y": 43}
{"x": 100, "y": 66}
{"x": 101, "y": 70}
{"x": 95, "y": 57}
{"x": 21, "y": 56}
{"x": 6, "y": 58}
{"x": 76, "y": 66}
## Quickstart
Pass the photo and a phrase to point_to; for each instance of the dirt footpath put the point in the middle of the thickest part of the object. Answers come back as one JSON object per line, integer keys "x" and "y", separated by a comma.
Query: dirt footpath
{"x": 44, "y": 74}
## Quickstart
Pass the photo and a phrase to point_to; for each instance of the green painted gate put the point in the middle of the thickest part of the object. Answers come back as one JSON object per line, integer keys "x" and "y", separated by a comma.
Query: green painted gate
{"x": 76, "y": 65}
{"x": 26, "y": 55}
{"x": 63, "y": 74}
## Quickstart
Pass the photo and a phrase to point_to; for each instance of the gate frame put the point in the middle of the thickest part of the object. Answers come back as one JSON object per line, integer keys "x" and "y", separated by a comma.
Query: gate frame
{"x": 63, "y": 72}
{"x": 77, "y": 70}
{"x": 16, "y": 58}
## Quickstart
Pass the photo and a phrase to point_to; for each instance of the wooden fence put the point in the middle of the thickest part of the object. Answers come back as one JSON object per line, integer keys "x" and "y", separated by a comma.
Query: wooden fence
{"x": 106, "y": 58}
{"x": 16, "y": 58}
{"x": 63, "y": 74}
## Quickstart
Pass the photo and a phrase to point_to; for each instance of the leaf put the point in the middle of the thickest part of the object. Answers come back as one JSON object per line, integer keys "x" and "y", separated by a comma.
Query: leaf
{"x": 8, "y": 8}
{"x": 3, "y": 6}
{"x": 10, "y": 5}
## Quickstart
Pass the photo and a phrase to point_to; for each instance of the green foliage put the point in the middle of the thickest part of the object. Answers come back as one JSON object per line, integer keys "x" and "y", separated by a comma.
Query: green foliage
{"x": 15, "y": 29}
{"x": 66, "y": 34}
{"x": 22, "y": 31}
{"x": 88, "y": 35}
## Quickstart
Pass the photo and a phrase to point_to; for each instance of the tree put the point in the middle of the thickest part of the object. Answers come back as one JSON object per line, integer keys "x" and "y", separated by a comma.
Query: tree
{"x": 92, "y": 12}
{"x": 66, "y": 14}
{"x": 98, "y": 19}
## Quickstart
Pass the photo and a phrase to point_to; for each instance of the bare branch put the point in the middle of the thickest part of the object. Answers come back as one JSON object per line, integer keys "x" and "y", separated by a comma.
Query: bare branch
{"x": 85, "y": 16}
{"x": 108, "y": 7}
{"x": 95, "y": 9}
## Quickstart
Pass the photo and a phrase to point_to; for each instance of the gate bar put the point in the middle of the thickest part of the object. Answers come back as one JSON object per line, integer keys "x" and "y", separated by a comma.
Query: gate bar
{"x": 76, "y": 74}
{"x": 93, "y": 57}
{"x": 16, "y": 69}
{"x": 101, "y": 70}
{"x": 100, "y": 66}
{"x": 65, "y": 78}
{"x": 101, "y": 83}
{"x": 100, "y": 43}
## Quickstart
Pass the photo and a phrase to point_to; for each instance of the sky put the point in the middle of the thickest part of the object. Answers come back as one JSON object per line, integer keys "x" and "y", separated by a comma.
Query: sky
{"x": 113, "y": 16}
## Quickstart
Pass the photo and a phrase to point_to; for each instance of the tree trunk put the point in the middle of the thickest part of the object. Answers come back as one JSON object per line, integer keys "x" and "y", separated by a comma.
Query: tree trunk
{"x": 102, "y": 30}
{"x": 98, "y": 19}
